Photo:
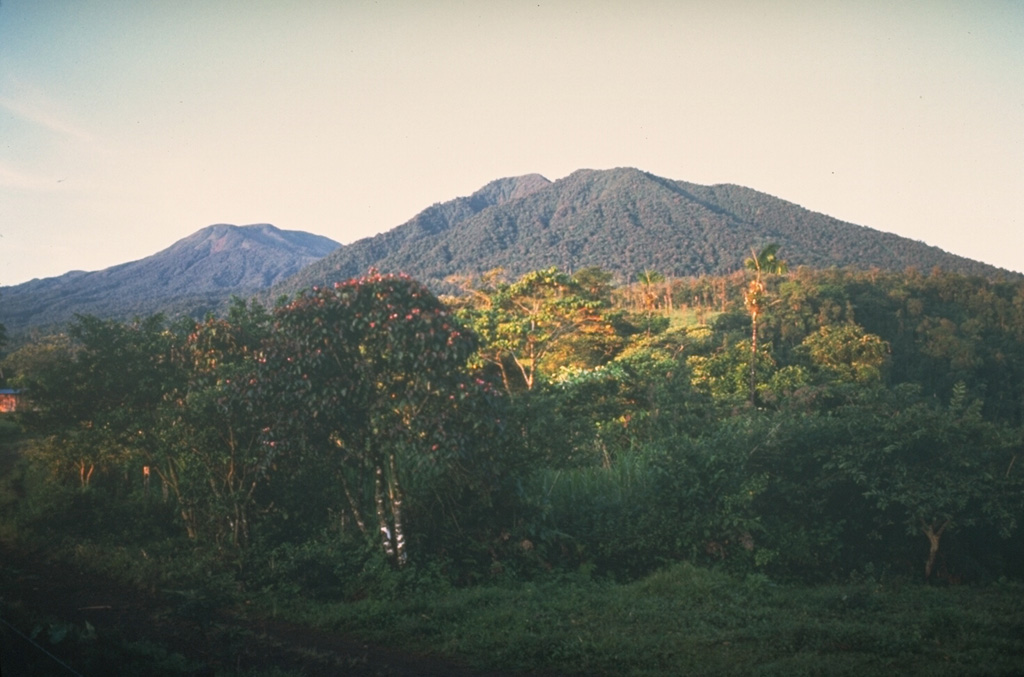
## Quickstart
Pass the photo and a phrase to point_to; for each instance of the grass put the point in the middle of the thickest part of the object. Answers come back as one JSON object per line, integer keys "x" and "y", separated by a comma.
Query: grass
{"x": 688, "y": 620}
{"x": 687, "y": 317}
{"x": 682, "y": 619}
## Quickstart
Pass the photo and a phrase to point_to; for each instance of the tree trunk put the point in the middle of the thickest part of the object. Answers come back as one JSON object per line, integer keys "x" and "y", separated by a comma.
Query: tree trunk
{"x": 85, "y": 473}
{"x": 753, "y": 359}
{"x": 395, "y": 494}
{"x": 527, "y": 373}
{"x": 934, "y": 536}
{"x": 240, "y": 526}
{"x": 386, "y": 537}
{"x": 189, "y": 517}
{"x": 169, "y": 480}
{"x": 353, "y": 506}
{"x": 504, "y": 375}
{"x": 754, "y": 299}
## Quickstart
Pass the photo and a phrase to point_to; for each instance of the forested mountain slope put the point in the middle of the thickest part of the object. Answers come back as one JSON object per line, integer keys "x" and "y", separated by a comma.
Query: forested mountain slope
{"x": 196, "y": 273}
{"x": 428, "y": 246}
{"x": 625, "y": 221}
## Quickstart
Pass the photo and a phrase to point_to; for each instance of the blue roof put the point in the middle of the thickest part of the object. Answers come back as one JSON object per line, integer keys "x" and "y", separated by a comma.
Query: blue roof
{"x": 9, "y": 391}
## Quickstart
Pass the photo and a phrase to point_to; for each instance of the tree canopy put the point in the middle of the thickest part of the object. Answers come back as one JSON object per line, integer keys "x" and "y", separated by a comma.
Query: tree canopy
{"x": 559, "y": 422}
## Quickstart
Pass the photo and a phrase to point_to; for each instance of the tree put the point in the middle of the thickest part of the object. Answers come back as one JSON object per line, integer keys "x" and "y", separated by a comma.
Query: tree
{"x": 24, "y": 365}
{"x": 725, "y": 374}
{"x": 98, "y": 395}
{"x": 763, "y": 263}
{"x": 934, "y": 469}
{"x": 367, "y": 377}
{"x": 596, "y": 283}
{"x": 3, "y": 342}
{"x": 649, "y": 281}
{"x": 523, "y": 323}
{"x": 845, "y": 352}
{"x": 214, "y": 453}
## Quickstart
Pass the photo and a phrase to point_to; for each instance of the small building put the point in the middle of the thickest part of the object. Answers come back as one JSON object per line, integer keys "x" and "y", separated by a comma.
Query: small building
{"x": 9, "y": 400}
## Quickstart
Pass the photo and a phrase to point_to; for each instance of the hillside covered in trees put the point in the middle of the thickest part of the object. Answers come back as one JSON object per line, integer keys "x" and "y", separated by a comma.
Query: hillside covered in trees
{"x": 693, "y": 452}
{"x": 195, "y": 275}
{"x": 624, "y": 221}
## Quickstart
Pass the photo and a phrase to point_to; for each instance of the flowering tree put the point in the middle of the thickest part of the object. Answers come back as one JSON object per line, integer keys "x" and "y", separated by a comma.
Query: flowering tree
{"x": 214, "y": 453}
{"x": 368, "y": 376}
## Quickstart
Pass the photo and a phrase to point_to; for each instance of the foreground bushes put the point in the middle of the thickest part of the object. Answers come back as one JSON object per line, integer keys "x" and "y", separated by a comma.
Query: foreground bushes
{"x": 563, "y": 434}
{"x": 684, "y": 619}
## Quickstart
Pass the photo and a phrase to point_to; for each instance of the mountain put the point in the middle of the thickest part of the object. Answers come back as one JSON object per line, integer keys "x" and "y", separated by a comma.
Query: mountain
{"x": 424, "y": 247}
{"x": 625, "y": 221}
{"x": 194, "y": 275}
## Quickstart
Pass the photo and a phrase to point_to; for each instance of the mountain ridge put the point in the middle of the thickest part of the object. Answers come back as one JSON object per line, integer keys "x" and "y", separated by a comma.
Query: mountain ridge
{"x": 626, "y": 221}
{"x": 623, "y": 220}
{"x": 192, "y": 276}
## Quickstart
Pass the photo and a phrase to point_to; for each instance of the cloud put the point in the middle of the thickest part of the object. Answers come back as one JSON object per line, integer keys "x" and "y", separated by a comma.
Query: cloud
{"x": 44, "y": 144}
{"x": 38, "y": 110}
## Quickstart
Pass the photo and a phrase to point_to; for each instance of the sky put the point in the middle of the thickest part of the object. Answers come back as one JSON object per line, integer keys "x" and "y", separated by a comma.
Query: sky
{"x": 126, "y": 126}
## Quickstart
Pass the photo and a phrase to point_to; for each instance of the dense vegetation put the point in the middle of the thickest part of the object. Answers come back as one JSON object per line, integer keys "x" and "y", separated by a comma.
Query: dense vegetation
{"x": 622, "y": 220}
{"x": 715, "y": 474}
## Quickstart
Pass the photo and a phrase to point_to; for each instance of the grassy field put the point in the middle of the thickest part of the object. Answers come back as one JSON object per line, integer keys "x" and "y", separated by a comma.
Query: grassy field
{"x": 682, "y": 620}
{"x": 687, "y": 620}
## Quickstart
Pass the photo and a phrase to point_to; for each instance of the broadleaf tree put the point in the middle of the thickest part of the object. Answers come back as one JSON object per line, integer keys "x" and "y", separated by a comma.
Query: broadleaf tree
{"x": 368, "y": 376}
{"x": 215, "y": 454}
{"x": 523, "y": 323}
{"x": 935, "y": 469}
{"x": 97, "y": 397}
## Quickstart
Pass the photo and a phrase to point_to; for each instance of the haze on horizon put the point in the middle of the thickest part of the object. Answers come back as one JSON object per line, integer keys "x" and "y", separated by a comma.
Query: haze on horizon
{"x": 126, "y": 126}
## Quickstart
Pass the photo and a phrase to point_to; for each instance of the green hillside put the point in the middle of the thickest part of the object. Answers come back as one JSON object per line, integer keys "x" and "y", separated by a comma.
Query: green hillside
{"x": 625, "y": 221}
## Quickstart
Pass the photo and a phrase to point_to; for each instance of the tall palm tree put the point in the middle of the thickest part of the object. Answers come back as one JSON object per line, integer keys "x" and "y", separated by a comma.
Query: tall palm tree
{"x": 649, "y": 280}
{"x": 765, "y": 262}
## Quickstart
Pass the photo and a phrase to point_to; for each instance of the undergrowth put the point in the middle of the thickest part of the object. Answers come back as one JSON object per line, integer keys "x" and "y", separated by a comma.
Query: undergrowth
{"x": 689, "y": 620}
{"x": 680, "y": 618}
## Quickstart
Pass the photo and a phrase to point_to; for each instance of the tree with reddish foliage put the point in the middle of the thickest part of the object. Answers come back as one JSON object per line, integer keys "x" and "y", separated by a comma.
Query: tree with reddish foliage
{"x": 368, "y": 377}
{"x": 214, "y": 455}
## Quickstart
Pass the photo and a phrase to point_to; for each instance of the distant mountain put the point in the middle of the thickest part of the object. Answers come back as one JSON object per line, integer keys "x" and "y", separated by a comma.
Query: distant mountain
{"x": 192, "y": 276}
{"x": 625, "y": 221}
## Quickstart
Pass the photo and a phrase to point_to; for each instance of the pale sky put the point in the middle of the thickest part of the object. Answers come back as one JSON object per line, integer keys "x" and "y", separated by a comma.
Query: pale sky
{"x": 126, "y": 125}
